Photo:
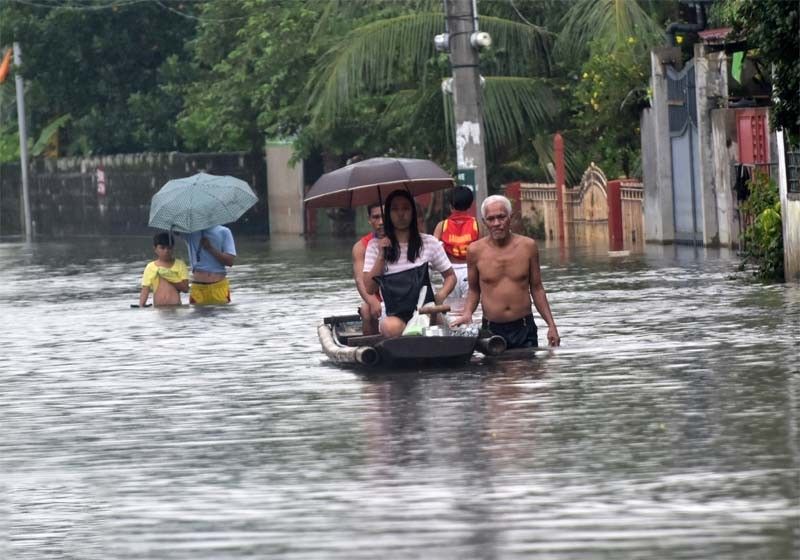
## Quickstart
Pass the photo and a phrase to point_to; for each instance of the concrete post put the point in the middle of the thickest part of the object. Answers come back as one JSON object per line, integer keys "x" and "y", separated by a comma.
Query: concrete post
{"x": 615, "y": 235}
{"x": 657, "y": 148}
{"x": 284, "y": 190}
{"x": 723, "y": 133}
{"x": 790, "y": 213}
{"x": 558, "y": 154}
{"x": 706, "y": 87}
{"x": 467, "y": 104}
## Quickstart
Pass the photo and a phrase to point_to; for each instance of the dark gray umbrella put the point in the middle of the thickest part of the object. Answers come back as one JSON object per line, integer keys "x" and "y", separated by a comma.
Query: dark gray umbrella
{"x": 372, "y": 180}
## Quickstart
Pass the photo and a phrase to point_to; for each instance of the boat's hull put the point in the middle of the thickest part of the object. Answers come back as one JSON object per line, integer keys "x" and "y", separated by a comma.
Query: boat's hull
{"x": 343, "y": 342}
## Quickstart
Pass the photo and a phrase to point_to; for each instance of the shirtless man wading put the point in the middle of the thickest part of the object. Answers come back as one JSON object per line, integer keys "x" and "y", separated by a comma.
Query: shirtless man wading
{"x": 504, "y": 276}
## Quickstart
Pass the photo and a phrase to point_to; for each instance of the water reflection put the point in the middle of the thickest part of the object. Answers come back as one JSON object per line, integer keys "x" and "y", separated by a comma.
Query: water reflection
{"x": 665, "y": 427}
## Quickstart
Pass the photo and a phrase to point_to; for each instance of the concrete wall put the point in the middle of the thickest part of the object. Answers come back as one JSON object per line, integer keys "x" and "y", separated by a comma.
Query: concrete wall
{"x": 65, "y": 199}
{"x": 286, "y": 190}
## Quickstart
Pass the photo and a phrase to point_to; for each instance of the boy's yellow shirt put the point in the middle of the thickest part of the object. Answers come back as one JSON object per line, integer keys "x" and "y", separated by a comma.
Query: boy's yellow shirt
{"x": 152, "y": 272}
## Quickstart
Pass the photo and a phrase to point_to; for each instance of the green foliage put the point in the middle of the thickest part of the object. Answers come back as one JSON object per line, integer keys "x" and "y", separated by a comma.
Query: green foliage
{"x": 763, "y": 239}
{"x": 402, "y": 79}
{"x": 9, "y": 144}
{"x": 354, "y": 67}
{"x": 91, "y": 61}
{"x": 340, "y": 77}
{"x": 603, "y": 27}
{"x": 772, "y": 28}
{"x": 9, "y": 139}
{"x": 49, "y": 133}
{"x": 575, "y": 157}
{"x": 609, "y": 98}
{"x": 603, "y": 47}
{"x": 250, "y": 65}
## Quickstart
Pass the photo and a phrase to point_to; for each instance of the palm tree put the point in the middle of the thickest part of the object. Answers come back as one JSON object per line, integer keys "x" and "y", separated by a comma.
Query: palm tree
{"x": 605, "y": 26}
{"x": 394, "y": 58}
{"x": 599, "y": 35}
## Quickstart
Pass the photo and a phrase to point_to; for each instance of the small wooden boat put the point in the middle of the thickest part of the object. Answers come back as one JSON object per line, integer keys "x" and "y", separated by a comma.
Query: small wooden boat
{"x": 342, "y": 341}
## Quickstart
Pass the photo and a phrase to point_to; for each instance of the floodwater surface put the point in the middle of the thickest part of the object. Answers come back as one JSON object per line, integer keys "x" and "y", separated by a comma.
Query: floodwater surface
{"x": 665, "y": 427}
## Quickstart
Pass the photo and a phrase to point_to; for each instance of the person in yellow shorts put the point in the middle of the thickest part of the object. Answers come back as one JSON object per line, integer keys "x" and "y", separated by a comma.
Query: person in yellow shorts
{"x": 166, "y": 276}
{"x": 210, "y": 252}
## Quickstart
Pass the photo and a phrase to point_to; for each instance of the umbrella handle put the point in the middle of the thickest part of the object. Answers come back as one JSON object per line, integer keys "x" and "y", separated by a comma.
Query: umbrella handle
{"x": 199, "y": 247}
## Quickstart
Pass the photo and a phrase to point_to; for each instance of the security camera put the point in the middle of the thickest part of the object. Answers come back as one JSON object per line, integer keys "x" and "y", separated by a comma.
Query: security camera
{"x": 447, "y": 86}
{"x": 442, "y": 42}
{"x": 480, "y": 40}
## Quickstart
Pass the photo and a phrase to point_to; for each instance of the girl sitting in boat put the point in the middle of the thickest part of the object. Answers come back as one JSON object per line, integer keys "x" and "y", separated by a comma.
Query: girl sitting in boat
{"x": 397, "y": 264}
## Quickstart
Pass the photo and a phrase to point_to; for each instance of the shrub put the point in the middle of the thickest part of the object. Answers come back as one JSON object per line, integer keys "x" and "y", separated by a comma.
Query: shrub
{"x": 763, "y": 240}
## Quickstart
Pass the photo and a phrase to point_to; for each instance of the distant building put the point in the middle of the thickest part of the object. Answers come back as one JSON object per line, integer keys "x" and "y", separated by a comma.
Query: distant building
{"x": 704, "y": 135}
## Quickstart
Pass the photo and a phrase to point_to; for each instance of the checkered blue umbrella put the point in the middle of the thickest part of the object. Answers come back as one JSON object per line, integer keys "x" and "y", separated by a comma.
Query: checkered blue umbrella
{"x": 199, "y": 202}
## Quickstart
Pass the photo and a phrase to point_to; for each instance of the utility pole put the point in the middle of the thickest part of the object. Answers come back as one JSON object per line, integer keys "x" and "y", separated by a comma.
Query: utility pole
{"x": 23, "y": 143}
{"x": 464, "y": 40}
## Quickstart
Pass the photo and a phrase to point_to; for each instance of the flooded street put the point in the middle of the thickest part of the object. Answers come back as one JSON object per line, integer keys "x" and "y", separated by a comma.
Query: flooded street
{"x": 665, "y": 427}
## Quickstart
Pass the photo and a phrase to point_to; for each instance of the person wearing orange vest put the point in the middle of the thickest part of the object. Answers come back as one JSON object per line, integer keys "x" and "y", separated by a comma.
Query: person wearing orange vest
{"x": 456, "y": 232}
{"x": 370, "y": 308}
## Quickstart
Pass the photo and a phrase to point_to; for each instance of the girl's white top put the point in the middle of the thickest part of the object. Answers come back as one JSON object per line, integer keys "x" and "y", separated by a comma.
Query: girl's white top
{"x": 432, "y": 252}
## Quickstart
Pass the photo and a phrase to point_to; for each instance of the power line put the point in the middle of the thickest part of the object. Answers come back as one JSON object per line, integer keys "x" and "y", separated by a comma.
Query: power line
{"x": 198, "y": 18}
{"x": 55, "y": 5}
{"x": 95, "y": 5}
{"x": 511, "y": 2}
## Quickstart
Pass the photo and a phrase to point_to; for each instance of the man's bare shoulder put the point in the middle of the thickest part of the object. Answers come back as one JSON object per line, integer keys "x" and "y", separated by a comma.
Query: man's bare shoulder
{"x": 478, "y": 244}
{"x": 359, "y": 250}
{"x": 477, "y": 247}
{"x": 523, "y": 243}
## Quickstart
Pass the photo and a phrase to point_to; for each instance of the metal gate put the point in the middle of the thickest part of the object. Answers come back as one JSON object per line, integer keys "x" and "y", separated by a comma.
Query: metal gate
{"x": 682, "y": 111}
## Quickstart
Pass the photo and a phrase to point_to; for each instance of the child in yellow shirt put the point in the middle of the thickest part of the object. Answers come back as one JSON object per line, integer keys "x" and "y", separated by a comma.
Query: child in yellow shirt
{"x": 166, "y": 267}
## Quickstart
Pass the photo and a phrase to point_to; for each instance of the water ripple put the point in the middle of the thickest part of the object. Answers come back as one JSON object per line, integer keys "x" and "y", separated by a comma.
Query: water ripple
{"x": 665, "y": 427}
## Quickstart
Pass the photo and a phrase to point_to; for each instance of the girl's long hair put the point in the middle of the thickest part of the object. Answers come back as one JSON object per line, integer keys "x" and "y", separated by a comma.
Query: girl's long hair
{"x": 414, "y": 238}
